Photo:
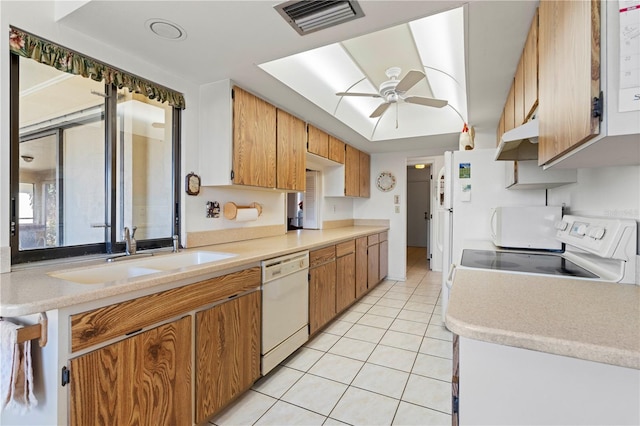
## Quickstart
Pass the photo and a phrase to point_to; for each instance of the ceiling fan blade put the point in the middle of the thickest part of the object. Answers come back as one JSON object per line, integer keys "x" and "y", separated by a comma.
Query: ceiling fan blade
{"x": 409, "y": 80}
{"x": 370, "y": 95}
{"x": 380, "y": 110}
{"x": 420, "y": 100}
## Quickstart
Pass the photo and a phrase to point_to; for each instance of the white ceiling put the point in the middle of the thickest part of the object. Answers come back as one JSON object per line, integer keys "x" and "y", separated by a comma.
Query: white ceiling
{"x": 227, "y": 39}
{"x": 433, "y": 45}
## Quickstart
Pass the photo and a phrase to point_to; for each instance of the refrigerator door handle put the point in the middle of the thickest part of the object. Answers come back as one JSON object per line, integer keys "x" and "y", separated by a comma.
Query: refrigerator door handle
{"x": 452, "y": 270}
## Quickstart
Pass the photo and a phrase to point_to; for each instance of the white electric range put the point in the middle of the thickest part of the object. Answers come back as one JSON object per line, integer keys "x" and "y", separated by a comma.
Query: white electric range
{"x": 595, "y": 249}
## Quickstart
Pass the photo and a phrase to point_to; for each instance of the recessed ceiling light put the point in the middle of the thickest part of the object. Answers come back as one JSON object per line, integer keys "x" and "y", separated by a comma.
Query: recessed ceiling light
{"x": 166, "y": 29}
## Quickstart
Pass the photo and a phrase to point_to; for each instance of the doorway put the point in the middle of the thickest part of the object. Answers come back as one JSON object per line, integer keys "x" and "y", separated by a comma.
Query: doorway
{"x": 419, "y": 206}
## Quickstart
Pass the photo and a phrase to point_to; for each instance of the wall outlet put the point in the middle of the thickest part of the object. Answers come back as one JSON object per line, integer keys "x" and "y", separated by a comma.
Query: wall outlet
{"x": 397, "y": 209}
{"x": 396, "y": 199}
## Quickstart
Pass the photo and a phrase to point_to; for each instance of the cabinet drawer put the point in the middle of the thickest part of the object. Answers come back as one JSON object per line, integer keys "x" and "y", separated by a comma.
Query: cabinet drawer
{"x": 318, "y": 257}
{"x": 373, "y": 239}
{"x": 383, "y": 236}
{"x": 345, "y": 248}
{"x": 93, "y": 327}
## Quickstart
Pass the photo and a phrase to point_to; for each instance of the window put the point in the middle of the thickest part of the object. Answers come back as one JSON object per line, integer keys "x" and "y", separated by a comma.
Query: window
{"x": 88, "y": 159}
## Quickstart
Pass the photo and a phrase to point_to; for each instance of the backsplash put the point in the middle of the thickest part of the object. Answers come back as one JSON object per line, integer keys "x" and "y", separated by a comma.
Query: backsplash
{"x": 603, "y": 191}
{"x": 196, "y": 220}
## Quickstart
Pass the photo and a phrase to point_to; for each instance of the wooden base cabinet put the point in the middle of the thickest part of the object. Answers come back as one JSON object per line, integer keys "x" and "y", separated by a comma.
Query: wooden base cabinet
{"x": 345, "y": 275}
{"x": 322, "y": 287}
{"x": 373, "y": 260}
{"x": 227, "y": 352}
{"x": 383, "y": 256}
{"x": 361, "y": 266}
{"x": 144, "y": 379}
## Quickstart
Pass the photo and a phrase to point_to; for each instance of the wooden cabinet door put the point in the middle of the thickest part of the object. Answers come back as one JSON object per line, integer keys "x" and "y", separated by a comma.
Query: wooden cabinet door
{"x": 227, "y": 352}
{"x": 336, "y": 150}
{"x": 317, "y": 141}
{"x": 384, "y": 259}
{"x": 530, "y": 65}
{"x": 291, "y": 159}
{"x": 145, "y": 379}
{"x": 365, "y": 172}
{"x": 509, "y": 109}
{"x": 345, "y": 281}
{"x": 352, "y": 172}
{"x": 500, "y": 128}
{"x": 569, "y": 55}
{"x": 373, "y": 262}
{"x": 254, "y": 140}
{"x": 362, "y": 264}
{"x": 518, "y": 93}
{"x": 322, "y": 295}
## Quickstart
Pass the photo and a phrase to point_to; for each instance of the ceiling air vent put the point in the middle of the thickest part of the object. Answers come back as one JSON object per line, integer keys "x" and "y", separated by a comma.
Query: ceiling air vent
{"x": 308, "y": 16}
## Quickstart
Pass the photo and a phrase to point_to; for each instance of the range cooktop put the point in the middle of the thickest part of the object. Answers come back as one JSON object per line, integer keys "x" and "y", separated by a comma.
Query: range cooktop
{"x": 533, "y": 263}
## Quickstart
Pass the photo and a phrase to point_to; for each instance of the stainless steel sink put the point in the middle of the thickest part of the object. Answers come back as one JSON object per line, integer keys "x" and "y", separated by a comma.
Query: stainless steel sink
{"x": 137, "y": 268}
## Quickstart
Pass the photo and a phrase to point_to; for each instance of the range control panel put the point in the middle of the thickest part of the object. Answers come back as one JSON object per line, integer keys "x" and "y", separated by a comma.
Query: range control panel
{"x": 608, "y": 238}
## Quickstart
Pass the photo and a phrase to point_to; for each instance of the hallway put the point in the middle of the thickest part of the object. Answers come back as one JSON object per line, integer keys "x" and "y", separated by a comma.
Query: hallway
{"x": 386, "y": 360}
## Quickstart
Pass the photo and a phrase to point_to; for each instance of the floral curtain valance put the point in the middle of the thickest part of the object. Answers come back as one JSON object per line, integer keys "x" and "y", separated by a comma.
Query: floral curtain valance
{"x": 66, "y": 60}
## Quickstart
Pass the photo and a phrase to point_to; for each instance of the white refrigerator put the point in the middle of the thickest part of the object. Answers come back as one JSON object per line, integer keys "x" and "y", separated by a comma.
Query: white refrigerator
{"x": 474, "y": 183}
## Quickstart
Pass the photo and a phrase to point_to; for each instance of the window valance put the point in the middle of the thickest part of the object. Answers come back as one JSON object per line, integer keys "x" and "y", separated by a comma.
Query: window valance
{"x": 67, "y": 60}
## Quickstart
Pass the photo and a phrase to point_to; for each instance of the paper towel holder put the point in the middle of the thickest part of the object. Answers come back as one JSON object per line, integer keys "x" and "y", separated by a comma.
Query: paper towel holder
{"x": 231, "y": 209}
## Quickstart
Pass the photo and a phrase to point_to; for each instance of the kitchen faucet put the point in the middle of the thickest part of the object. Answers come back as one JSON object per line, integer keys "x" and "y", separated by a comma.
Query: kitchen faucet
{"x": 130, "y": 242}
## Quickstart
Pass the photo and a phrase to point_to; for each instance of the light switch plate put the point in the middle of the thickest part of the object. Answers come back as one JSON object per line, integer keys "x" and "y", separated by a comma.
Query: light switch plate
{"x": 396, "y": 199}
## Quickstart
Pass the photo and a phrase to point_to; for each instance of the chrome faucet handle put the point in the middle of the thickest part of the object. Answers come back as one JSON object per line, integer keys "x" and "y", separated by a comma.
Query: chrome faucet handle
{"x": 133, "y": 233}
{"x": 127, "y": 241}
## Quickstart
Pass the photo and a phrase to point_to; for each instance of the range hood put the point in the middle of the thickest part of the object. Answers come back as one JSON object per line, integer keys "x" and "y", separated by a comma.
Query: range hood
{"x": 520, "y": 143}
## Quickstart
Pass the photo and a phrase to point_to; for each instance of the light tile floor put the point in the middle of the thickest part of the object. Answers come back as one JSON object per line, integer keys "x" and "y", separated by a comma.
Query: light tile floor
{"x": 386, "y": 360}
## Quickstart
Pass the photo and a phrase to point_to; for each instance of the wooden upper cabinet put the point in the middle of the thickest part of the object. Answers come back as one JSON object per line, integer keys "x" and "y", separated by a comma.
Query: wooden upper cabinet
{"x": 365, "y": 171}
{"x": 291, "y": 160}
{"x": 336, "y": 150}
{"x": 254, "y": 140}
{"x": 569, "y": 55}
{"x": 530, "y": 66}
{"x": 509, "y": 109}
{"x": 518, "y": 94}
{"x": 352, "y": 172}
{"x": 500, "y": 128}
{"x": 317, "y": 141}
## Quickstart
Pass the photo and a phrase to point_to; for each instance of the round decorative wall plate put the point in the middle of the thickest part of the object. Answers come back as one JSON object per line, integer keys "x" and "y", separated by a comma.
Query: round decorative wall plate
{"x": 386, "y": 181}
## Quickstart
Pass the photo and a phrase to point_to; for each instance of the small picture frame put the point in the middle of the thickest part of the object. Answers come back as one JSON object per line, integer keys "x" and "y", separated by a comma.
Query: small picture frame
{"x": 192, "y": 184}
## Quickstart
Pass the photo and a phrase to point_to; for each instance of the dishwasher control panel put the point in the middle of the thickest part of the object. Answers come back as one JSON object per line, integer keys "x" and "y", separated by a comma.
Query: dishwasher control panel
{"x": 285, "y": 265}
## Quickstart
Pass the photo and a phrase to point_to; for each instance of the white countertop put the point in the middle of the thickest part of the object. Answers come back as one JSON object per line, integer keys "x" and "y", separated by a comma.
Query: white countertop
{"x": 31, "y": 290}
{"x": 592, "y": 320}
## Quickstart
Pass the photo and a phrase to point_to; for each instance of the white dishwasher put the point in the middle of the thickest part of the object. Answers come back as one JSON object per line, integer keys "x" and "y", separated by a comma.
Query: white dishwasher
{"x": 285, "y": 307}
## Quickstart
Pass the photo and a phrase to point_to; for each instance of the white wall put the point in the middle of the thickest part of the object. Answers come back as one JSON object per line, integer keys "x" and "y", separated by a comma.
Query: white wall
{"x": 604, "y": 191}
{"x": 273, "y": 208}
{"x": 380, "y": 206}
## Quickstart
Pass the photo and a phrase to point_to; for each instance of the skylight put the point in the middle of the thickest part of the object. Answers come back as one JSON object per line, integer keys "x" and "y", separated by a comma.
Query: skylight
{"x": 433, "y": 45}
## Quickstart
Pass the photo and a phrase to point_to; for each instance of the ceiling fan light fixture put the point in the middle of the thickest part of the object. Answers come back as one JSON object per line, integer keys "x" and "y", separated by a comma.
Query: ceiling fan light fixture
{"x": 308, "y": 16}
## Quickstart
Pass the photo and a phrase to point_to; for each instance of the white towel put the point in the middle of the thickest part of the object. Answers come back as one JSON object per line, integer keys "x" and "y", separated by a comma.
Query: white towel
{"x": 16, "y": 380}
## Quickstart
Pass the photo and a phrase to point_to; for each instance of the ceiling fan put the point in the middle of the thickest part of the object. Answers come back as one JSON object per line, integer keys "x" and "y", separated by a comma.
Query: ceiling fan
{"x": 394, "y": 91}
